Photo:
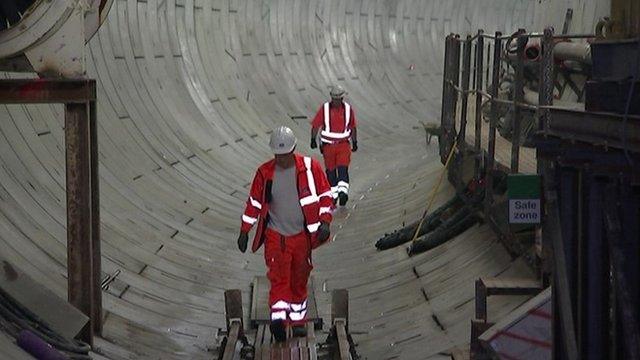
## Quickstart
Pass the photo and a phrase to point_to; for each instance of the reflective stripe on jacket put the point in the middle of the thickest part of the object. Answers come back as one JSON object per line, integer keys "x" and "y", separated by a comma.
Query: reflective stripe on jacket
{"x": 329, "y": 135}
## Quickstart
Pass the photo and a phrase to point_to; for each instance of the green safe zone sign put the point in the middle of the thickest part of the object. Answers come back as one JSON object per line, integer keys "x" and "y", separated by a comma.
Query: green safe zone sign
{"x": 523, "y": 192}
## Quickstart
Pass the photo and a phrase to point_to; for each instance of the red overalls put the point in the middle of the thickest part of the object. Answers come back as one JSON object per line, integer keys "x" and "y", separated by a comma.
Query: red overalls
{"x": 336, "y": 124}
{"x": 289, "y": 258}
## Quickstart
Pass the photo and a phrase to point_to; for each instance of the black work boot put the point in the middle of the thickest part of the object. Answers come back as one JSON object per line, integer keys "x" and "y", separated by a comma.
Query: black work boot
{"x": 278, "y": 330}
{"x": 299, "y": 331}
{"x": 343, "y": 198}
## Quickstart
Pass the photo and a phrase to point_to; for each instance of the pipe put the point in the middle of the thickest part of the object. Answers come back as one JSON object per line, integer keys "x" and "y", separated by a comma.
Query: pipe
{"x": 580, "y": 52}
{"x": 562, "y": 51}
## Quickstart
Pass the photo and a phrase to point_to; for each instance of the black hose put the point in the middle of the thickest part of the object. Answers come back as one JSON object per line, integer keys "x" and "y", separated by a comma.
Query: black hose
{"x": 456, "y": 225}
{"x": 431, "y": 222}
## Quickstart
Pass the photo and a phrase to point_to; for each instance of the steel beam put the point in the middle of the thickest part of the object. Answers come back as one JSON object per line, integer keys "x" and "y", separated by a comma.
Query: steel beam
{"x": 625, "y": 302}
{"x": 564, "y": 334}
{"x": 596, "y": 338}
{"x": 96, "y": 317}
{"x": 31, "y": 91}
{"x": 79, "y": 234}
{"x": 605, "y": 129}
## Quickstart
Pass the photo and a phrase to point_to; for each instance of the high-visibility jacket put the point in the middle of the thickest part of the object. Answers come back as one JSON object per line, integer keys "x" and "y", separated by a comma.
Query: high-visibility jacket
{"x": 314, "y": 193}
{"x": 335, "y": 123}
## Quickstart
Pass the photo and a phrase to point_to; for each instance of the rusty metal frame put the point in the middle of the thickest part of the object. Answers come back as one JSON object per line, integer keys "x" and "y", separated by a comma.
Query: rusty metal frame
{"x": 83, "y": 207}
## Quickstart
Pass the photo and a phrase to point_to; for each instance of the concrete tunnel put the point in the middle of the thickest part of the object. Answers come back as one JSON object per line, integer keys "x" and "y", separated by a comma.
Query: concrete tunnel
{"x": 188, "y": 92}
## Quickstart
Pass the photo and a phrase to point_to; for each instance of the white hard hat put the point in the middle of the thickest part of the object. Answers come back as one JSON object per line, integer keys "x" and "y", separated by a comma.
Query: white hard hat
{"x": 282, "y": 141}
{"x": 337, "y": 92}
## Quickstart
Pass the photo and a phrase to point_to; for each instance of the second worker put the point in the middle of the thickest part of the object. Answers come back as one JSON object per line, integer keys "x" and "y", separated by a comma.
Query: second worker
{"x": 336, "y": 122}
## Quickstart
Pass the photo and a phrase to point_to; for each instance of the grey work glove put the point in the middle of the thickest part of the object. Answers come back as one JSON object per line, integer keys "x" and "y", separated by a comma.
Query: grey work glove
{"x": 323, "y": 232}
{"x": 243, "y": 239}
{"x": 314, "y": 144}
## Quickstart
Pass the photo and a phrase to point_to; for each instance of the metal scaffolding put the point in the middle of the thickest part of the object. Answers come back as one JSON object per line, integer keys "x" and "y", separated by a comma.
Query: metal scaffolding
{"x": 589, "y": 163}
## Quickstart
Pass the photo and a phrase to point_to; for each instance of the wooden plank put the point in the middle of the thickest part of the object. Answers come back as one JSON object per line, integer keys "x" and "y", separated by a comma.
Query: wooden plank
{"x": 266, "y": 344}
{"x": 312, "y": 306}
{"x": 257, "y": 343}
{"x": 233, "y": 307}
{"x": 311, "y": 342}
{"x": 232, "y": 341}
{"x": 340, "y": 305}
{"x": 255, "y": 297}
{"x": 343, "y": 341}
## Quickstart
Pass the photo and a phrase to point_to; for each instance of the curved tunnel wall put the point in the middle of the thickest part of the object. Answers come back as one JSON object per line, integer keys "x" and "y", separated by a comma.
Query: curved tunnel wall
{"x": 188, "y": 91}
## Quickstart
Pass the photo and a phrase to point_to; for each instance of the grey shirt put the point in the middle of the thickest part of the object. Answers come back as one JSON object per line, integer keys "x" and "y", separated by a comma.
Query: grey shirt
{"x": 285, "y": 212}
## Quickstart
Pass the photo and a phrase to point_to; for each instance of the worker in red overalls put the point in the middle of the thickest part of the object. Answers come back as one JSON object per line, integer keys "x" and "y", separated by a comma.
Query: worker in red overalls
{"x": 336, "y": 122}
{"x": 290, "y": 199}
